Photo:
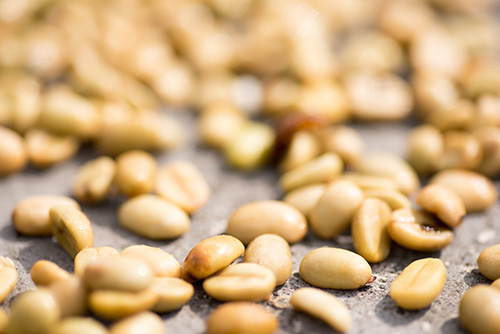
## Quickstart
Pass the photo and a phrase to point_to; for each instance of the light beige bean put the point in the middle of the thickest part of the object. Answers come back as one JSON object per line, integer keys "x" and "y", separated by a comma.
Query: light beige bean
{"x": 418, "y": 230}
{"x": 444, "y": 202}
{"x": 241, "y": 317}
{"x": 153, "y": 217}
{"x": 113, "y": 305}
{"x": 496, "y": 284}
{"x": 220, "y": 123}
{"x": 305, "y": 198}
{"x": 210, "y": 256}
{"x": 419, "y": 284}
{"x": 344, "y": 141}
{"x": 71, "y": 296}
{"x": 93, "y": 180}
{"x": 324, "y": 168}
{"x": 172, "y": 293}
{"x": 480, "y": 310}
{"x": 8, "y": 277}
{"x": 79, "y": 325}
{"x": 39, "y": 306}
{"x": 303, "y": 147}
{"x": 46, "y": 272}
{"x": 425, "y": 148}
{"x": 182, "y": 183}
{"x": 369, "y": 230}
{"x": 260, "y": 217}
{"x": 45, "y": 149}
{"x": 135, "y": 173}
{"x": 456, "y": 116}
{"x": 335, "y": 268}
{"x": 488, "y": 262}
{"x": 392, "y": 166}
{"x": 31, "y": 215}
{"x": 241, "y": 282}
{"x": 477, "y": 191}
{"x": 72, "y": 228}
{"x": 489, "y": 139}
{"x": 251, "y": 147}
{"x": 13, "y": 152}
{"x": 273, "y": 252}
{"x": 461, "y": 150}
{"x": 142, "y": 323}
{"x": 90, "y": 254}
{"x": 334, "y": 211}
{"x": 324, "y": 306}
{"x": 367, "y": 182}
{"x": 160, "y": 262}
{"x": 394, "y": 198}
{"x": 118, "y": 273}
{"x": 378, "y": 96}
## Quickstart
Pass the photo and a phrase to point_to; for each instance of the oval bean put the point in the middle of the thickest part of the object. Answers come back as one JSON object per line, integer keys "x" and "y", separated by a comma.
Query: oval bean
{"x": 13, "y": 152}
{"x": 241, "y": 317}
{"x": 480, "y": 310}
{"x": 153, "y": 217}
{"x": 241, "y": 282}
{"x": 71, "y": 296}
{"x": 260, "y": 217}
{"x": 8, "y": 277}
{"x": 79, "y": 325}
{"x": 160, "y": 262}
{"x": 477, "y": 191}
{"x": 210, "y": 256}
{"x": 488, "y": 262}
{"x": 90, "y": 254}
{"x": 395, "y": 199}
{"x": 369, "y": 230}
{"x": 46, "y": 272}
{"x": 417, "y": 230}
{"x": 419, "y": 284}
{"x": 335, "y": 268}
{"x": 31, "y": 215}
{"x": 142, "y": 323}
{"x": 135, "y": 173}
{"x": 273, "y": 252}
{"x": 324, "y": 306}
{"x": 93, "y": 180}
{"x": 334, "y": 211}
{"x": 172, "y": 293}
{"x": 443, "y": 202}
{"x": 113, "y": 305}
{"x": 305, "y": 198}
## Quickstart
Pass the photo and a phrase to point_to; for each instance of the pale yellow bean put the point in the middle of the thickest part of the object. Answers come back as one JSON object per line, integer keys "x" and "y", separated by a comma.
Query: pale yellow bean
{"x": 419, "y": 284}
{"x": 4, "y": 319}
{"x": 153, "y": 217}
{"x": 144, "y": 322}
{"x": 344, "y": 141}
{"x": 90, "y": 254}
{"x": 220, "y": 123}
{"x": 425, "y": 148}
{"x": 488, "y": 262}
{"x": 395, "y": 199}
{"x": 461, "y": 150}
{"x": 160, "y": 262}
{"x": 93, "y": 180}
{"x": 334, "y": 211}
{"x": 8, "y": 277}
{"x": 418, "y": 230}
{"x": 113, "y": 305}
{"x": 135, "y": 173}
{"x": 31, "y": 215}
{"x": 369, "y": 230}
{"x": 39, "y": 307}
{"x": 305, "y": 198}
{"x": 480, "y": 310}
{"x": 118, "y": 273}
{"x": 46, "y": 272}
{"x": 391, "y": 166}
{"x": 13, "y": 152}
{"x": 79, "y": 325}
{"x": 324, "y": 168}
{"x": 241, "y": 317}
{"x": 71, "y": 296}
{"x": 335, "y": 268}
{"x": 182, "y": 183}
{"x": 324, "y": 306}
{"x": 45, "y": 149}
{"x": 273, "y": 252}
{"x": 72, "y": 228}
{"x": 172, "y": 293}
{"x": 303, "y": 147}
{"x": 261, "y": 217}
{"x": 251, "y": 147}
{"x": 367, "y": 182}
{"x": 210, "y": 256}
{"x": 444, "y": 202}
{"x": 496, "y": 284}
{"x": 477, "y": 191}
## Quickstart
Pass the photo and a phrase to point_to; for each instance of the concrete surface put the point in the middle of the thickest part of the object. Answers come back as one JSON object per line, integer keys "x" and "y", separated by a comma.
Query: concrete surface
{"x": 372, "y": 309}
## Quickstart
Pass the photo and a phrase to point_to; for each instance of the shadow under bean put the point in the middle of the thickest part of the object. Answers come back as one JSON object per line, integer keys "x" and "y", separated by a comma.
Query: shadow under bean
{"x": 474, "y": 278}
{"x": 393, "y": 315}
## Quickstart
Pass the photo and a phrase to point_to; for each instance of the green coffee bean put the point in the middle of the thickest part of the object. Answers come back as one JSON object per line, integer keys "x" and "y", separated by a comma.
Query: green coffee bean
{"x": 144, "y": 322}
{"x": 444, "y": 202}
{"x": 135, "y": 173}
{"x": 93, "y": 180}
{"x": 13, "y": 153}
{"x": 160, "y": 262}
{"x": 8, "y": 277}
{"x": 172, "y": 293}
{"x": 46, "y": 272}
{"x": 480, "y": 310}
{"x": 488, "y": 262}
{"x": 79, "y": 325}
{"x": 305, "y": 198}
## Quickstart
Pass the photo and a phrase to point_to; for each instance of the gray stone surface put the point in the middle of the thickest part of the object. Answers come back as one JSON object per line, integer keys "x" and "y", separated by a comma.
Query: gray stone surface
{"x": 372, "y": 309}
